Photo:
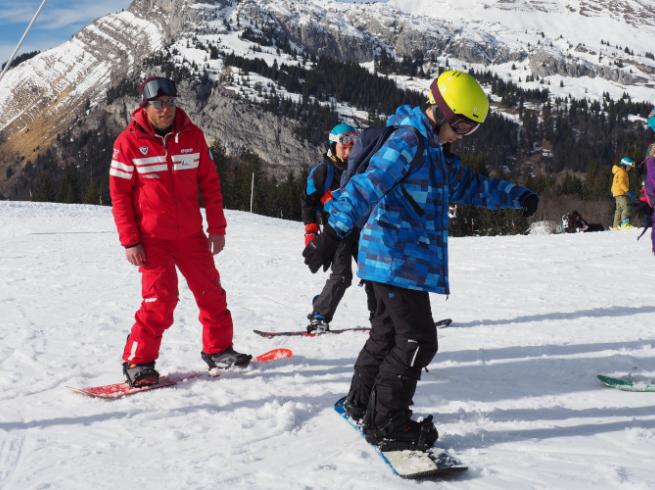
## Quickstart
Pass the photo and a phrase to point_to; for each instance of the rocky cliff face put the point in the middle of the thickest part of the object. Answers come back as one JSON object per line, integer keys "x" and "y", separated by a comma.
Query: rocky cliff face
{"x": 42, "y": 98}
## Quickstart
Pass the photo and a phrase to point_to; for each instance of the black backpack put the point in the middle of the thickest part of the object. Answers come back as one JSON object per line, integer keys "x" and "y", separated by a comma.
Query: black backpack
{"x": 369, "y": 142}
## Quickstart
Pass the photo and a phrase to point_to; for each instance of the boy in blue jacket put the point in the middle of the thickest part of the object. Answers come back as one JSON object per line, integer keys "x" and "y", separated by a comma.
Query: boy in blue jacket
{"x": 401, "y": 204}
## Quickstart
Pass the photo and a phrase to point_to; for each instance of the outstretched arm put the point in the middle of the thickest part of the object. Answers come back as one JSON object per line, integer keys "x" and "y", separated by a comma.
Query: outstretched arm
{"x": 467, "y": 187}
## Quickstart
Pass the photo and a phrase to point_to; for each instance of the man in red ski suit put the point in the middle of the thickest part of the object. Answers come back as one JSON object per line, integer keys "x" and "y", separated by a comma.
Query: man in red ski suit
{"x": 159, "y": 163}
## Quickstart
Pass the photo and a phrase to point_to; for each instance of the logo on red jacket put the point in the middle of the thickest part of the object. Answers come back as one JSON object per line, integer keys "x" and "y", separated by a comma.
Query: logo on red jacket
{"x": 143, "y": 150}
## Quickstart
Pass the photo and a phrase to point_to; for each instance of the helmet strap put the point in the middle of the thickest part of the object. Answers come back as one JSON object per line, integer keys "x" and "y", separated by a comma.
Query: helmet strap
{"x": 446, "y": 112}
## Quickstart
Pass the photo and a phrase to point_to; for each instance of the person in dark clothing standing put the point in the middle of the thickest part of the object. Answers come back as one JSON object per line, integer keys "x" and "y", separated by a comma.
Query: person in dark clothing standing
{"x": 322, "y": 181}
{"x": 403, "y": 249}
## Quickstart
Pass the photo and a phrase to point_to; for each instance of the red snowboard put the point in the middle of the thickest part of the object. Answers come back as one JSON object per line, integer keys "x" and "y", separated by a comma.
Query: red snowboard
{"x": 119, "y": 390}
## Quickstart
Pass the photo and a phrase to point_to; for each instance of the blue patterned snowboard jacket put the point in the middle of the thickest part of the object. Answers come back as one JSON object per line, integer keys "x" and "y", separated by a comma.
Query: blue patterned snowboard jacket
{"x": 403, "y": 212}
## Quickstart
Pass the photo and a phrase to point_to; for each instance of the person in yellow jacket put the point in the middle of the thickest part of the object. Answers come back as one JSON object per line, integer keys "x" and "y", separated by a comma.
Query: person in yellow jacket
{"x": 620, "y": 192}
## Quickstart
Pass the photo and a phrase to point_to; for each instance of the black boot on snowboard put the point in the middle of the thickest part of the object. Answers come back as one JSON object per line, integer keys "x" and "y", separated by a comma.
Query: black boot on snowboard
{"x": 400, "y": 432}
{"x": 354, "y": 410}
{"x": 224, "y": 360}
{"x": 317, "y": 324}
{"x": 139, "y": 375}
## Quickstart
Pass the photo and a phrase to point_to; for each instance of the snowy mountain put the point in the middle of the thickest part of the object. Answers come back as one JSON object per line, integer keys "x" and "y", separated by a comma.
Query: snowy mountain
{"x": 513, "y": 387}
{"x": 572, "y": 47}
{"x": 43, "y": 97}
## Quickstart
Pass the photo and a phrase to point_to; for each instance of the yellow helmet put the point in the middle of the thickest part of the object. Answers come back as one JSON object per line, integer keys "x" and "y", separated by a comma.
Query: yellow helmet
{"x": 457, "y": 94}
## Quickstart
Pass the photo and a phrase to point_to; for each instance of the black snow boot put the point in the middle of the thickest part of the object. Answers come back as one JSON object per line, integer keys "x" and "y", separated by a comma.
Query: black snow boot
{"x": 400, "y": 432}
{"x": 354, "y": 410}
{"x": 317, "y": 324}
{"x": 226, "y": 359}
{"x": 138, "y": 375}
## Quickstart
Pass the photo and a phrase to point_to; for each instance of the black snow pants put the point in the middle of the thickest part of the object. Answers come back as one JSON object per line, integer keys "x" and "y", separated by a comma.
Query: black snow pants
{"x": 402, "y": 342}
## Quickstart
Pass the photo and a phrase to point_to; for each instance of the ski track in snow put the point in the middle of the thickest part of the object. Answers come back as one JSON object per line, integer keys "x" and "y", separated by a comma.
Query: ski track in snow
{"x": 513, "y": 387}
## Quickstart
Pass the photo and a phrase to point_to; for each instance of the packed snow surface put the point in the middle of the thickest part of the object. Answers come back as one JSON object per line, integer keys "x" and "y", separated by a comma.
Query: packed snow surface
{"x": 513, "y": 387}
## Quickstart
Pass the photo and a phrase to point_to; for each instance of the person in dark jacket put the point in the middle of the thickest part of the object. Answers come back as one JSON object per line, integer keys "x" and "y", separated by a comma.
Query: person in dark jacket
{"x": 322, "y": 181}
{"x": 403, "y": 249}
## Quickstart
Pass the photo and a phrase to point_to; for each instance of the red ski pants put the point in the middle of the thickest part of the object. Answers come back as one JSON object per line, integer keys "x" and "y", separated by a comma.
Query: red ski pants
{"x": 160, "y": 296}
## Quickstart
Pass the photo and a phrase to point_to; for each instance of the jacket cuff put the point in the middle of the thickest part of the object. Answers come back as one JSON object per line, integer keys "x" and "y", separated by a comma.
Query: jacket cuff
{"x": 216, "y": 230}
{"x": 311, "y": 228}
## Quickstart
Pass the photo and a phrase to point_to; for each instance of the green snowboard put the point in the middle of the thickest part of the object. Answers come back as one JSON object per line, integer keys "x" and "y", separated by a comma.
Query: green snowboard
{"x": 627, "y": 384}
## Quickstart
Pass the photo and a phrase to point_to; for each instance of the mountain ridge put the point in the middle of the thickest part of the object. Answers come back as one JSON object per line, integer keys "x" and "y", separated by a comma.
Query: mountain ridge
{"x": 65, "y": 83}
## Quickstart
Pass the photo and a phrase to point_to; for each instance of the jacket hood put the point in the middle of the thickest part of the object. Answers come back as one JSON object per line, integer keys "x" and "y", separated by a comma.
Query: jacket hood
{"x": 141, "y": 124}
{"x": 407, "y": 115}
{"x": 616, "y": 168}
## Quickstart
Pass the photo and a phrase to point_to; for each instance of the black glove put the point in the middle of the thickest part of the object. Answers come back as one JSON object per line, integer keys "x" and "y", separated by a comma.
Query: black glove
{"x": 529, "y": 202}
{"x": 320, "y": 252}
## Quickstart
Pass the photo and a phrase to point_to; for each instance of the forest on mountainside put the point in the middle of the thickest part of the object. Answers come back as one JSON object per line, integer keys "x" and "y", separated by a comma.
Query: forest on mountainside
{"x": 562, "y": 148}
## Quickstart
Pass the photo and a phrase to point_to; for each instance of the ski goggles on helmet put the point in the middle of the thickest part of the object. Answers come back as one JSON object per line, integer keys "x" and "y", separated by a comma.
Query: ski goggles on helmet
{"x": 159, "y": 86}
{"x": 346, "y": 139}
{"x": 462, "y": 125}
{"x": 161, "y": 104}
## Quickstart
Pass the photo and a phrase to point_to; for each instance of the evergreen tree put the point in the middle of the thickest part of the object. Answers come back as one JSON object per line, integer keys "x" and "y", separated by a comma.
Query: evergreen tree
{"x": 92, "y": 194}
{"x": 68, "y": 192}
{"x": 43, "y": 191}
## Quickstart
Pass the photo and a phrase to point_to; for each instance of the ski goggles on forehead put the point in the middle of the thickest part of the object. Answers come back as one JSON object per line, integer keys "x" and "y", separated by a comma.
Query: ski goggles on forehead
{"x": 463, "y": 125}
{"x": 159, "y": 86}
{"x": 160, "y": 104}
{"x": 347, "y": 139}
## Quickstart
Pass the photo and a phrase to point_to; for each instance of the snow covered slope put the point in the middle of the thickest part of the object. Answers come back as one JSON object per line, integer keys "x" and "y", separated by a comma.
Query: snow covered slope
{"x": 577, "y": 48}
{"x": 513, "y": 387}
{"x": 580, "y": 48}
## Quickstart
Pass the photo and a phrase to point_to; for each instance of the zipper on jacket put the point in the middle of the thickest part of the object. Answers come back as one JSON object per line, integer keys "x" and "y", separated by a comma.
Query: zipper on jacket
{"x": 417, "y": 209}
{"x": 169, "y": 164}
{"x": 411, "y": 364}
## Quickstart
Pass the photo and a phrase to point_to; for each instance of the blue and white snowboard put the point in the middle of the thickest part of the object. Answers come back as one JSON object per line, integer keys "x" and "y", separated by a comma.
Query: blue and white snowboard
{"x": 411, "y": 464}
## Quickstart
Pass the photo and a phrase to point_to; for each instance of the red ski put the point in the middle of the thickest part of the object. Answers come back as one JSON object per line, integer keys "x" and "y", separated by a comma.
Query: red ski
{"x": 119, "y": 390}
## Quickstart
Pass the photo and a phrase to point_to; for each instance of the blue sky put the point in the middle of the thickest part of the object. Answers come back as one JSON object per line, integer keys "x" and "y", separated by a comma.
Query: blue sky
{"x": 59, "y": 20}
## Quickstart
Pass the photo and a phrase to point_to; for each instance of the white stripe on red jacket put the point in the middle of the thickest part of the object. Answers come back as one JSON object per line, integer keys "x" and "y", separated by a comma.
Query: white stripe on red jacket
{"x": 154, "y": 182}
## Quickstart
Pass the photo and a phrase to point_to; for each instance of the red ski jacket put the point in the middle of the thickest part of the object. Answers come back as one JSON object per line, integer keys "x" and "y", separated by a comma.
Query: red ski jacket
{"x": 154, "y": 182}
